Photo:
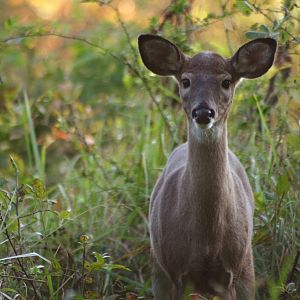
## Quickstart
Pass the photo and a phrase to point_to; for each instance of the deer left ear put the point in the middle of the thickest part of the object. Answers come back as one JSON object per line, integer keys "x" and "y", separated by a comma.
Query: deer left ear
{"x": 254, "y": 58}
{"x": 160, "y": 55}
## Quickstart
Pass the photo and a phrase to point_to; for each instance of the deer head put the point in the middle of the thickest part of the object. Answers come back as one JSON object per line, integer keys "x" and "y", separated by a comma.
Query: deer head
{"x": 207, "y": 80}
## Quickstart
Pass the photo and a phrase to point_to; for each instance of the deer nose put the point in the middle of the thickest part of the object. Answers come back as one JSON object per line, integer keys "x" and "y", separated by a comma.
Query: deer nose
{"x": 203, "y": 115}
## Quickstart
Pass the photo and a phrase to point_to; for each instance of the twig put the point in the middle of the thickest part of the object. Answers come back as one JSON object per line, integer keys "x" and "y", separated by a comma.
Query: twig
{"x": 36, "y": 212}
{"x": 259, "y": 10}
{"x": 82, "y": 268}
{"x": 22, "y": 278}
{"x": 63, "y": 284}
{"x": 223, "y": 7}
{"x": 55, "y": 34}
{"x": 137, "y": 72}
{"x": 124, "y": 28}
{"x": 16, "y": 191}
{"x": 167, "y": 15}
{"x": 20, "y": 263}
{"x": 87, "y": 147}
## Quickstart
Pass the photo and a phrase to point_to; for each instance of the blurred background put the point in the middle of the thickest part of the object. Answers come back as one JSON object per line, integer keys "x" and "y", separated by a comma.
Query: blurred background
{"x": 85, "y": 131}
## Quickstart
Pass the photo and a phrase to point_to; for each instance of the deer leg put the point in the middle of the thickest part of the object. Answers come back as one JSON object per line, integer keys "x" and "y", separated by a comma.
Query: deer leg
{"x": 162, "y": 286}
{"x": 229, "y": 295}
{"x": 245, "y": 288}
{"x": 245, "y": 285}
{"x": 178, "y": 289}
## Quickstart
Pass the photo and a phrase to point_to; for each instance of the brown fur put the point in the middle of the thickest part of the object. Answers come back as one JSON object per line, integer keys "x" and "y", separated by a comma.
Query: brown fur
{"x": 201, "y": 208}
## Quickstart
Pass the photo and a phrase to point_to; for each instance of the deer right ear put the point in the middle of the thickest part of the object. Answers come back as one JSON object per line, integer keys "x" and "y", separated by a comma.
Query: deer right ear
{"x": 160, "y": 55}
{"x": 254, "y": 58}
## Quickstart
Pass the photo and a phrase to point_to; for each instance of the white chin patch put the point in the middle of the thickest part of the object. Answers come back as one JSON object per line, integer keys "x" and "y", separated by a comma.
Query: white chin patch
{"x": 205, "y": 133}
{"x": 204, "y": 126}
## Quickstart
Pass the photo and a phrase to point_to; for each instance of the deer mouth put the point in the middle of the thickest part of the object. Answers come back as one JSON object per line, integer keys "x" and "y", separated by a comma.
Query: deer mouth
{"x": 204, "y": 125}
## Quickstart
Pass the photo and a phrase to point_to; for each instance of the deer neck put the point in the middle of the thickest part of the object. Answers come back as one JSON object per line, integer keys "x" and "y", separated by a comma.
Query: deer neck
{"x": 207, "y": 179}
{"x": 208, "y": 158}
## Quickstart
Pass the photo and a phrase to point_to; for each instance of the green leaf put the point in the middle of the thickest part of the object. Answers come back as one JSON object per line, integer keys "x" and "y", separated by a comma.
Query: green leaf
{"x": 50, "y": 285}
{"x": 179, "y": 6}
{"x": 99, "y": 257}
{"x": 78, "y": 297}
{"x": 244, "y": 7}
{"x": 96, "y": 266}
{"x": 39, "y": 188}
{"x": 256, "y": 34}
{"x": 3, "y": 182}
{"x": 56, "y": 265}
{"x": 276, "y": 25}
{"x": 91, "y": 295}
{"x": 274, "y": 35}
{"x": 264, "y": 28}
{"x": 116, "y": 266}
{"x": 9, "y": 23}
{"x": 64, "y": 214}
{"x": 259, "y": 201}
{"x": 293, "y": 141}
{"x": 87, "y": 266}
{"x": 13, "y": 226}
{"x": 289, "y": 4}
{"x": 37, "y": 270}
{"x": 283, "y": 184}
{"x": 154, "y": 22}
{"x": 9, "y": 290}
{"x": 284, "y": 37}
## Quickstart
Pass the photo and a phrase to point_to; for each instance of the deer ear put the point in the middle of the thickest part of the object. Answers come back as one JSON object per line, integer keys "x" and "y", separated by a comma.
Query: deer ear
{"x": 160, "y": 55}
{"x": 254, "y": 58}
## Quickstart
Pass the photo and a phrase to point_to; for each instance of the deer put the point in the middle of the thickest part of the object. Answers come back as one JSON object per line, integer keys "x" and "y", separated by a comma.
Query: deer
{"x": 201, "y": 208}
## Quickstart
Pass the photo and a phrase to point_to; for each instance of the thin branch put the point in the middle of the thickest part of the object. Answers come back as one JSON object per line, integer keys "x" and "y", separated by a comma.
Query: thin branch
{"x": 20, "y": 263}
{"x": 124, "y": 28}
{"x": 55, "y": 34}
{"x": 36, "y": 212}
{"x": 87, "y": 147}
{"x": 63, "y": 284}
{"x": 259, "y": 10}
{"x": 16, "y": 192}
{"x": 137, "y": 72}
{"x": 22, "y": 278}
{"x": 82, "y": 268}
{"x": 223, "y": 7}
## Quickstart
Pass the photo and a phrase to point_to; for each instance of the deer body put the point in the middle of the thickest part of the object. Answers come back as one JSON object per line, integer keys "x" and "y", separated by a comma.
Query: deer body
{"x": 206, "y": 249}
{"x": 202, "y": 205}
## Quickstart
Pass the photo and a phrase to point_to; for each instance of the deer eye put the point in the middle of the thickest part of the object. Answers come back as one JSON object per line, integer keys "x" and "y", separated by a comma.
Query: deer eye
{"x": 226, "y": 84}
{"x": 185, "y": 83}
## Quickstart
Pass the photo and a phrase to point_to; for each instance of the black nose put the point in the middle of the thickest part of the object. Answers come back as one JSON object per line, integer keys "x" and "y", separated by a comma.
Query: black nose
{"x": 203, "y": 115}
